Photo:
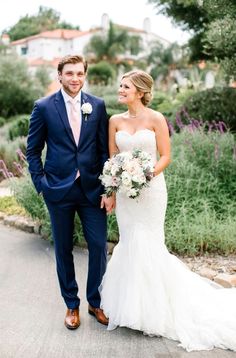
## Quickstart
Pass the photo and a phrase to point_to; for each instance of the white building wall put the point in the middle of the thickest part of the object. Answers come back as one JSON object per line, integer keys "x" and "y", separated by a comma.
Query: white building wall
{"x": 79, "y": 43}
{"x": 45, "y": 48}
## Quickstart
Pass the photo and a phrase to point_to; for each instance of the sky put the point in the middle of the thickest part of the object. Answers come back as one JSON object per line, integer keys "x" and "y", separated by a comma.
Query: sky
{"x": 88, "y": 13}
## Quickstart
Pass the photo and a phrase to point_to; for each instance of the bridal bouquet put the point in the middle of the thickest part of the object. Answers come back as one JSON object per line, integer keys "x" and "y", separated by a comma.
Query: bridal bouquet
{"x": 127, "y": 172}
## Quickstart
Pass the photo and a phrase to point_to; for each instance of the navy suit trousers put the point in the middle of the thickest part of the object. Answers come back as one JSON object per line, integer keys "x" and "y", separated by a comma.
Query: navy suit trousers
{"x": 94, "y": 224}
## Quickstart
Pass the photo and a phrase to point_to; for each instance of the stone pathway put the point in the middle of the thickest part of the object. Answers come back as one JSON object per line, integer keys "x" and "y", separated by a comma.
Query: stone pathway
{"x": 32, "y": 311}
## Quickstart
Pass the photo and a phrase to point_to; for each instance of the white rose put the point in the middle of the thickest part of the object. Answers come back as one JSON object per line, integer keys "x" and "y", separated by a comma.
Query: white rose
{"x": 140, "y": 179}
{"x": 86, "y": 108}
{"x": 114, "y": 169}
{"x": 126, "y": 178}
{"x": 107, "y": 181}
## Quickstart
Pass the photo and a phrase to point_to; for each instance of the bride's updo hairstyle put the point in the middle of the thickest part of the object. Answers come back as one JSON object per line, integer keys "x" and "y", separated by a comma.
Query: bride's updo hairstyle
{"x": 143, "y": 83}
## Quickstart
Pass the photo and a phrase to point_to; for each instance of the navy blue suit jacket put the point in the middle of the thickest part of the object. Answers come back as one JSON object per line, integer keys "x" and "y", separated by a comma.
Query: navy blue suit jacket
{"x": 49, "y": 124}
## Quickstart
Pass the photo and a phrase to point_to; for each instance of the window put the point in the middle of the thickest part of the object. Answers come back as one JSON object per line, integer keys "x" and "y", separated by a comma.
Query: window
{"x": 24, "y": 50}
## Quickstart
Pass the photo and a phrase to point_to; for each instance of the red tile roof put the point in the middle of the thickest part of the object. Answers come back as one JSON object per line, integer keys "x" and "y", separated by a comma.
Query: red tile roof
{"x": 55, "y": 34}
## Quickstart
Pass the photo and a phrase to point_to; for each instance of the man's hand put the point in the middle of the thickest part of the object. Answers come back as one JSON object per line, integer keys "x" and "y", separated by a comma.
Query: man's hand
{"x": 108, "y": 203}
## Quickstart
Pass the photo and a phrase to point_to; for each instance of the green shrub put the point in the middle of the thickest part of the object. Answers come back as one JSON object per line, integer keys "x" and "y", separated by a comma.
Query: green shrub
{"x": 27, "y": 197}
{"x": 169, "y": 105}
{"x": 103, "y": 91}
{"x": 18, "y": 89}
{"x": 112, "y": 111}
{"x": 101, "y": 73}
{"x": 9, "y": 206}
{"x": 2, "y": 121}
{"x": 201, "y": 182}
{"x": 19, "y": 127}
{"x": 168, "y": 108}
{"x": 216, "y": 104}
{"x": 158, "y": 99}
{"x": 112, "y": 105}
{"x": 111, "y": 101}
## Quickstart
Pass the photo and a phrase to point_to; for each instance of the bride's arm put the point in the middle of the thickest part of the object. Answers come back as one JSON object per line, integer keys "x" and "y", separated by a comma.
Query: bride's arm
{"x": 110, "y": 203}
{"x": 163, "y": 143}
{"x": 112, "y": 136}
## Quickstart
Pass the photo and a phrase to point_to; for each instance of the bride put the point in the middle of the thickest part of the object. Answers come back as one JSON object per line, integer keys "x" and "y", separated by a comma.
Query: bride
{"x": 145, "y": 287}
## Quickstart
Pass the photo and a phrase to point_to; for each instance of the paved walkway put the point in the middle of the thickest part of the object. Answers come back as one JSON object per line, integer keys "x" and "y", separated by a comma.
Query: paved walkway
{"x": 32, "y": 311}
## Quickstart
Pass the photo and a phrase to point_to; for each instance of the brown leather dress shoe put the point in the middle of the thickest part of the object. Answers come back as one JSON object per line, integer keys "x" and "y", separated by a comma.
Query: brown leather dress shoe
{"x": 98, "y": 313}
{"x": 72, "y": 320}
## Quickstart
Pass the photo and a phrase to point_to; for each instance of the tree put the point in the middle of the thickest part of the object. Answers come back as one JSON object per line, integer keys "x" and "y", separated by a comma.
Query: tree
{"x": 161, "y": 60}
{"x": 114, "y": 43}
{"x": 45, "y": 19}
{"x": 108, "y": 47}
{"x": 189, "y": 16}
{"x": 101, "y": 73}
{"x": 43, "y": 76}
{"x": 213, "y": 25}
{"x": 220, "y": 36}
{"x": 18, "y": 90}
{"x": 135, "y": 45}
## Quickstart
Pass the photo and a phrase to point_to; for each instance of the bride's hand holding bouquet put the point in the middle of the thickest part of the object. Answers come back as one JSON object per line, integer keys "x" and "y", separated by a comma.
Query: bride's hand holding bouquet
{"x": 127, "y": 172}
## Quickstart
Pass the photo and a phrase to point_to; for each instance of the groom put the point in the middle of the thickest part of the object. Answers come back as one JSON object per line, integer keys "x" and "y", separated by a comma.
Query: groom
{"x": 74, "y": 127}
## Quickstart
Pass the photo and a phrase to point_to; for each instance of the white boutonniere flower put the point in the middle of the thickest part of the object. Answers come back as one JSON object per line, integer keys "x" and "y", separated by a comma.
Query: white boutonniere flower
{"x": 86, "y": 108}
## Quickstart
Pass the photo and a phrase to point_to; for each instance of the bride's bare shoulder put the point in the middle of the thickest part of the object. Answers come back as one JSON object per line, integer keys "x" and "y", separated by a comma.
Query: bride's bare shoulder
{"x": 117, "y": 118}
{"x": 157, "y": 118}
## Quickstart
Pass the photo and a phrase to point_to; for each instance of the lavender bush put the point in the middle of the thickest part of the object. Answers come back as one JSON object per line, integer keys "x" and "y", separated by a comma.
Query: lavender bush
{"x": 12, "y": 159}
{"x": 201, "y": 181}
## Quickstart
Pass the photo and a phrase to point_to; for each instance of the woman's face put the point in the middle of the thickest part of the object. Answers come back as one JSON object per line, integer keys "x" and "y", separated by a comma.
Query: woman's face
{"x": 127, "y": 92}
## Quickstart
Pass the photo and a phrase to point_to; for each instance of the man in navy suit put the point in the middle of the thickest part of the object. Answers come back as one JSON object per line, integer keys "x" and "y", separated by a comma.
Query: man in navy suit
{"x": 74, "y": 126}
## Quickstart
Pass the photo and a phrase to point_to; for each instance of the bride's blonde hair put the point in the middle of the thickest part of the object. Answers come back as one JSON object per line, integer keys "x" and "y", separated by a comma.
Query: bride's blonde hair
{"x": 143, "y": 83}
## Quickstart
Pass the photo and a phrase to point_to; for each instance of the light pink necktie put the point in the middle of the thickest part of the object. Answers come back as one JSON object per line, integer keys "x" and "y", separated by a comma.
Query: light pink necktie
{"x": 75, "y": 121}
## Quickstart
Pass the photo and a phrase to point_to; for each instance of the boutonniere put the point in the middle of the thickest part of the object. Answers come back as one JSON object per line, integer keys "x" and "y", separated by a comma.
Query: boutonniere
{"x": 86, "y": 108}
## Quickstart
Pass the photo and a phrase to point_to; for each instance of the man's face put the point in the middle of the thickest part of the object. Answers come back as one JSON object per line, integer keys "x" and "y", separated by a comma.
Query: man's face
{"x": 72, "y": 78}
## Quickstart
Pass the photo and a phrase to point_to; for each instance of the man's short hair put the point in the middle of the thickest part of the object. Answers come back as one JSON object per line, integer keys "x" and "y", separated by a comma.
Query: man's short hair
{"x": 72, "y": 59}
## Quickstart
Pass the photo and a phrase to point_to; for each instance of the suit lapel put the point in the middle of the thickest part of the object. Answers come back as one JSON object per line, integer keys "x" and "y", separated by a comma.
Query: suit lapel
{"x": 84, "y": 99}
{"x": 61, "y": 109}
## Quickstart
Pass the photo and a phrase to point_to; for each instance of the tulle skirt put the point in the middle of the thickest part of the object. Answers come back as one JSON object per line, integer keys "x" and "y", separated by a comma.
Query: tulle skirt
{"x": 148, "y": 289}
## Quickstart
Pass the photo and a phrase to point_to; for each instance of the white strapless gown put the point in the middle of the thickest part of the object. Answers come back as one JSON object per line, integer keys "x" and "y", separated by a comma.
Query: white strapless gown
{"x": 148, "y": 289}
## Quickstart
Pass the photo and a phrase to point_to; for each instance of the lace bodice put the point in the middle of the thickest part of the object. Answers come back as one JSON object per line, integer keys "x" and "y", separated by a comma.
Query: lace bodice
{"x": 142, "y": 139}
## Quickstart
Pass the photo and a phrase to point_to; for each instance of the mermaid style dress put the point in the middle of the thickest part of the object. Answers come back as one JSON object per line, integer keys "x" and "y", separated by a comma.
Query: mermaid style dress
{"x": 148, "y": 289}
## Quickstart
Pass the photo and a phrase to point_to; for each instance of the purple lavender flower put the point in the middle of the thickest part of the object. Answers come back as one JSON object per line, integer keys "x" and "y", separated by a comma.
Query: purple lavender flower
{"x": 171, "y": 127}
{"x": 4, "y": 169}
{"x": 21, "y": 155}
{"x": 179, "y": 121}
{"x": 18, "y": 167}
{"x": 222, "y": 126}
{"x": 3, "y": 173}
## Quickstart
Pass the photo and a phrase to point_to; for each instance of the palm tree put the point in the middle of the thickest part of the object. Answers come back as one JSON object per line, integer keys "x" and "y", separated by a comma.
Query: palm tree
{"x": 109, "y": 47}
{"x": 162, "y": 60}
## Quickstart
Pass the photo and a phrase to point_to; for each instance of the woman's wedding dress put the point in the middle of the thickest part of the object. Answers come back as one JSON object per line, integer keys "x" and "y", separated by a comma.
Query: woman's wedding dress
{"x": 148, "y": 289}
